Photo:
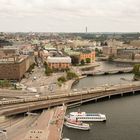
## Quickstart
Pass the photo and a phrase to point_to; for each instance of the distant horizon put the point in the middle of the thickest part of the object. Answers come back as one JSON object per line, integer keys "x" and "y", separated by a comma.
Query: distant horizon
{"x": 70, "y": 32}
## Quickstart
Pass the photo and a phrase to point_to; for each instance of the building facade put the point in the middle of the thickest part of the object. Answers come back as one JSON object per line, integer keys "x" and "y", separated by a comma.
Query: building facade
{"x": 128, "y": 53}
{"x": 88, "y": 54}
{"x": 15, "y": 70}
{"x": 59, "y": 63}
{"x": 109, "y": 51}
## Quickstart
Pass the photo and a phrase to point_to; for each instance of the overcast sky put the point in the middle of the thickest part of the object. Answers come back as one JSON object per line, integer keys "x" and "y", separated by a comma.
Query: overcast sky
{"x": 70, "y": 15}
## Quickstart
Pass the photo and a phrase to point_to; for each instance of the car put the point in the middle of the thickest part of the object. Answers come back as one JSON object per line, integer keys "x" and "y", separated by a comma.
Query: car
{"x": 34, "y": 78}
{"x": 37, "y": 96}
{"x": 75, "y": 90}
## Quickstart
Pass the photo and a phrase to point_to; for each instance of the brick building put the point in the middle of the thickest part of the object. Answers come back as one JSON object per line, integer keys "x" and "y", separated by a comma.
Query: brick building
{"x": 82, "y": 54}
{"x": 59, "y": 63}
{"x": 87, "y": 54}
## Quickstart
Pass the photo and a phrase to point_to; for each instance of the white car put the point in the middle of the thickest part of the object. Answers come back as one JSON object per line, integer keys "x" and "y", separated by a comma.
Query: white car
{"x": 34, "y": 78}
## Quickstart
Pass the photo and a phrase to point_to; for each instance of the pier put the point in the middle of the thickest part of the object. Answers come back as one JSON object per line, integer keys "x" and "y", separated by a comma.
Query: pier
{"x": 48, "y": 126}
{"x": 45, "y": 126}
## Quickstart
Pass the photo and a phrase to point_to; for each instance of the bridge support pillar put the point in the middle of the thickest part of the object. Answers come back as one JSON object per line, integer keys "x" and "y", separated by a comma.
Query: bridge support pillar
{"x": 109, "y": 96}
{"x": 95, "y": 100}
{"x": 133, "y": 92}
{"x": 121, "y": 94}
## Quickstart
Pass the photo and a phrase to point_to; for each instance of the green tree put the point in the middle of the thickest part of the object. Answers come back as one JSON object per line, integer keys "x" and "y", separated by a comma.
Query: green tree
{"x": 88, "y": 60}
{"x": 74, "y": 60}
{"x": 5, "y": 83}
{"x": 61, "y": 79}
{"x": 82, "y": 62}
{"x": 71, "y": 75}
{"x": 136, "y": 69}
{"x": 48, "y": 70}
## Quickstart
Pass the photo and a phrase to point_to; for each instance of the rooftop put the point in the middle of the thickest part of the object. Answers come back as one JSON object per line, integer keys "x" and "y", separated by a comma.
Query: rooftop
{"x": 12, "y": 60}
{"x": 59, "y": 59}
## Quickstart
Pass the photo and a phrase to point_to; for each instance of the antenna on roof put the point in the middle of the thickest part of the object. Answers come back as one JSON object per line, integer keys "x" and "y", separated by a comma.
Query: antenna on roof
{"x": 86, "y": 29}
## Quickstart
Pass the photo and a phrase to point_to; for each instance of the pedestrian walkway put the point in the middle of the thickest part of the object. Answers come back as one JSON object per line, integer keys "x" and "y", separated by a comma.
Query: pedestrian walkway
{"x": 48, "y": 126}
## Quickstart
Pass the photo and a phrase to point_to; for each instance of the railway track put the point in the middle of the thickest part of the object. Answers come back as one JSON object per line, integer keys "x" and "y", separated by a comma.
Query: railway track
{"x": 24, "y": 107}
{"x": 11, "y": 121}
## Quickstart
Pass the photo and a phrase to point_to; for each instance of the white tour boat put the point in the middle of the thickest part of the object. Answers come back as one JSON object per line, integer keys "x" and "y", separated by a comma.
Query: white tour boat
{"x": 77, "y": 124}
{"x": 83, "y": 116}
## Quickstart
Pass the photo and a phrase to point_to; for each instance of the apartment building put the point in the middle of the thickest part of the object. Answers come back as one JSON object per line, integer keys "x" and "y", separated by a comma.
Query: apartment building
{"x": 59, "y": 63}
{"x": 12, "y": 65}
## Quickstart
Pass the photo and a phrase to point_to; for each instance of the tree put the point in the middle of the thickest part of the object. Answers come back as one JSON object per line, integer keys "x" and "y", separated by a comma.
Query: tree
{"x": 74, "y": 60}
{"x": 31, "y": 67}
{"x": 136, "y": 69}
{"x": 133, "y": 56}
{"x": 5, "y": 83}
{"x": 88, "y": 60}
{"x": 48, "y": 70}
{"x": 110, "y": 58}
{"x": 82, "y": 62}
{"x": 105, "y": 44}
{"x": 71, "y": 75}
{"x": 61, "y": 79}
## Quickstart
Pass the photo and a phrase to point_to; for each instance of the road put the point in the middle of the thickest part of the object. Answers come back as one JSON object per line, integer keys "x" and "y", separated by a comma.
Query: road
{"x": 19, "y": 129}
{"x": 44, "y": 84}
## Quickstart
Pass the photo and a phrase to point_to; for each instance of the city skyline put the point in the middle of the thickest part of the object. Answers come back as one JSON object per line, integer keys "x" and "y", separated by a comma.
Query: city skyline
{"x": 69, "y": 15}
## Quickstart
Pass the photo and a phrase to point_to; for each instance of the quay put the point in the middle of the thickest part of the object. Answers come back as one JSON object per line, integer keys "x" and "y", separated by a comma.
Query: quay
{"x": 45, "y": 126}
{"x": 48, "y": 126}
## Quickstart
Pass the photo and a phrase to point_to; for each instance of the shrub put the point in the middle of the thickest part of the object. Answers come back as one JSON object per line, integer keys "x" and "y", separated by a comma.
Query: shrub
{"x": 61, "y": 79}
{"x": 71, "y": 75}
{"x": 82, "y": 62}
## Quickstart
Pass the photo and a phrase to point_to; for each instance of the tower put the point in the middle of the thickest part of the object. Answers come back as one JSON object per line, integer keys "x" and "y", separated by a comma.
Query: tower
{"x": 86, "y": 29}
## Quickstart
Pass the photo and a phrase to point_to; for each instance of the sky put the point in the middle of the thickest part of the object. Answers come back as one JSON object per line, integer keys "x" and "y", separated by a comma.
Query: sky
{"x": 69, "y": 15}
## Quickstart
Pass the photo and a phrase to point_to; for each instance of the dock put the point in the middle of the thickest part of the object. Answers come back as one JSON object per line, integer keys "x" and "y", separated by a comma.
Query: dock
{"x": 48, "y": 126}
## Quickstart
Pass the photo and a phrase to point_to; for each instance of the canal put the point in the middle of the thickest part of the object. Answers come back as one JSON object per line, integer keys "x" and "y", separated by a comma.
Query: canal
{"x": 123, "y": 116}
{"x": 94, "y": 81}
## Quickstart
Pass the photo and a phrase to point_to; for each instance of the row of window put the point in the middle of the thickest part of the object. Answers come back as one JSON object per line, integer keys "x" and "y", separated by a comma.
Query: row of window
{"x": 89, "y": 117}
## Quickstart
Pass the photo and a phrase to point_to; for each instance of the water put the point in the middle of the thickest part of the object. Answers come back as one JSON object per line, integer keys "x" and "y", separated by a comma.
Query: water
{"x": 94, "y": 81}
{"x": 123, "y": 115}
{"x": 123, "y": 120}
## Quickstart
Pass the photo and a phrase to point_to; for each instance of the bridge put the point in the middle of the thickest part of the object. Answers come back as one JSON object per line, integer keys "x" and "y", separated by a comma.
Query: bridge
{"x": 72, "y": 98}
{"x": 104, "y": 72}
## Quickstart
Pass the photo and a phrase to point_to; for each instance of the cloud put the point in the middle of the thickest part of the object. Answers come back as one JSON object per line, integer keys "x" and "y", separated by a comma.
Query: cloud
{"x": 65, "y": 15}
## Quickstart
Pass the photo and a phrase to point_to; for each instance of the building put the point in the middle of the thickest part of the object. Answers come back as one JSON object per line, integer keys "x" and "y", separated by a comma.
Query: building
{"x": 12, "y": 65}
{"x": 128, "y": 53}
{"x": 59, "y": 63}
{"x": 8, "y": 52}
{"x": 15, "y": 69}
{"x": 82, "y": 54}
{"x": 85, "y": 54}
{"x": 109, "y": 51}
